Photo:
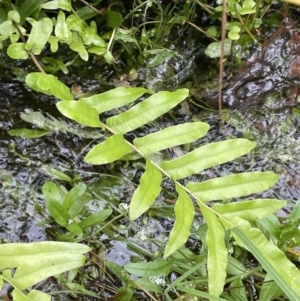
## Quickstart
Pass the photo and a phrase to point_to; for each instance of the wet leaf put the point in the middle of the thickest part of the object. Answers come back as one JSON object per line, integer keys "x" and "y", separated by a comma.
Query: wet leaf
{"x": 27, "y": 7}
{"x": 95, "y": 218}
{"x": 27, "y": 133}
{"x": 61, "y": 28}
{"x": 56, "y": 173}
{"x": 58, "y": 212}
{"x": 213, "y": 50}
{"x": 171, "y": 136}
{"x": 78, "y": 204}
{"x": 114, "y": 98}
{"x": 52, "y": 192}
{"x": 272, "y": 259}
{"x": 160, "y": 58}
{"x": 207, "y": 156}
{"x": 17, "y": 51}
{"x": 146, "y": 111}
{"x": 249, "y": 210}
{"x": 39, "y": 35}
{"x": 80, "y": 48}
{"x": 147, "y": 192}
{"x": 112, "y": 149}
{"x": 113, "y": 19}
{"x": 184, "y": 212}
{"x": 233, "y": 185}
{"x": 149, "y": 269}
{"x": 80, "y": 112}
{"x": 217, "y": 251}
{"x": 76, "y": 192}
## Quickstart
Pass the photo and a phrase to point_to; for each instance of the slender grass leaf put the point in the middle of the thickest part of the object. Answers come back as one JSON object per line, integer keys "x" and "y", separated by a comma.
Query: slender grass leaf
{"x": 184, "y": 212}
{"x": 171, "y": 136}
{"x": 149, "y": 269}
{"x": 233, "y": 185}
{"x": 39, "y": 35}
{"x": 147, "y": 285}
{"x": 52, "y": 192}
{"x": 28, "y": 7}
{"x": 79, "y": 288}
{"x": 58, "y": 212}
{"x": 114, "y": 98}
{"x": 269, "y": 290}
{"x": 79, "y": 112}
{"x": 198, "y": 293}
{"x": 272, "y": 259}
{"x": 217, "y": 251}
{"x": 146, "y": 193}
{"x": 207, "y": 156}
{"x": 112, "y": 149}
{"x": 95, "y": 218}
{"x": 50, "y": 85}
{"x": 76, "y": 192}
{"x": 27, "y": 133}
{"x": 44, "y": 267}
{"x": 14, "y": 255}
{"x": 249, "y": 210}
{"x": 146, "y": 111}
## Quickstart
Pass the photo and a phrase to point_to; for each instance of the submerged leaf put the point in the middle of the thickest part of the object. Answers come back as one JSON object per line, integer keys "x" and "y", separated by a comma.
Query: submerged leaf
{"x": 146, "y": 111}
{"x": 184, "y": 212}
{"x": 27, "y": 133}
{"x": 233, "y": 185}
{"x": 207, "y": 156}
{"x": 171, "y": 136}
{"x": 249, "y": 210}
{"x": 112, "y": 149}
{"x": 146, "y": 193}
{"x": 217, "y": 251}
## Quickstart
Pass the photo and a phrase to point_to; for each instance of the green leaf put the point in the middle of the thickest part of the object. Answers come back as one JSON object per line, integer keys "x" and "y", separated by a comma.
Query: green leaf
{"x": 58, "y": 212}
{"x": 147, "y": 285}
{"x": 269, "y": 290}
{"x": 79, "y": 47}
{"x": 65, "y": 5}
{"x": 79, "y": 288}
{"x": 184, "y": 212}
{"x": 213, "y": 50}
{"x": 233, "y": 185}
{"x": 200, "y": 294}
{"x": 249, "y": 210}
{"x": 171, "y": 136}
{"x": 146, "y": 193}
{"x": 76, "y": 192}
{"x": 17, "y": 51}
{"x": 95, "y": 218}
{"x": 114, "y": 98}
{"x": 74, "y": 228}
{"x": 56, "y": 173}
{"x": 207, "y": 156}
{"x": 272, "y": 259}
{"x": 160, "y": 58}
{"x": 48, "y": 84}
{"x": 217, "y": 251}
{"x": 238, "y": 290}
{"x": 39, "y": 35}
{"x": 61, "y": 28}
{"x": 113, "y": 19}
{"x": 7, "y": 29}
{"x": 27, "y": 133}
{"x": 146, "y": 111}
{"x": 80, "y": 112}
{"x": 27, "y": 7}
{"x": 112, "y": 149}
{"x": 78, "y": 204}
{"x": 38, "y": 261}
{"x": 52, "y": 192}
{"x": 14, "y": 16}
{"x": 149, "y": 269}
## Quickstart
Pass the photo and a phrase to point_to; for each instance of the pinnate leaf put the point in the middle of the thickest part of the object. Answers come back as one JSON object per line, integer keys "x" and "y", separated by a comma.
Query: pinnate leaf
{"x": 171, "y": 136}
{"x": 233, "y": 185}
{"x": 112, "y": 149}
{"x": 184, "y": 212}
{"x": 146, "y": 111}
{"x": 148, "y": 190}
{"x": 207, "y": 156}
